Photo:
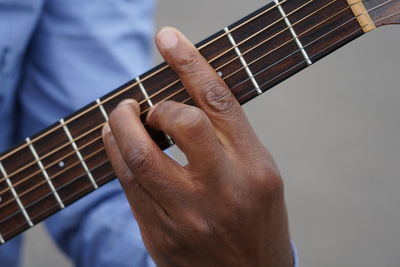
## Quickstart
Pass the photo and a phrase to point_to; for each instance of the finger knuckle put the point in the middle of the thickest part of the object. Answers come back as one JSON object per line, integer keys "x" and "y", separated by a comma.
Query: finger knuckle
{"x": 139, "y": 157}
{"x": 187, "y": 62}
{"x": 124, "y": 173}
{"x": 160, "y": 110}
{"x": 173, "y": 247}
{"x": 268, "y": 179}
{"x": 218, "y": 97}
{"x": 191, "y": 121}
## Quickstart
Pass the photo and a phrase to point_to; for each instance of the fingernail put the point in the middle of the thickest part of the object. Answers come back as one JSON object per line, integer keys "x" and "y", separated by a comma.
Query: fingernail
{"x": 167, "y": 38}
{"x": 126, "y": 101}
{"x": 106, "y": 129}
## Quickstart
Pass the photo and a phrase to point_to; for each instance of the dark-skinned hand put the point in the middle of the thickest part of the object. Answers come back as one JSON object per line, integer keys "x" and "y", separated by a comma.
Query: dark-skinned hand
{"x": 226, "y": 206}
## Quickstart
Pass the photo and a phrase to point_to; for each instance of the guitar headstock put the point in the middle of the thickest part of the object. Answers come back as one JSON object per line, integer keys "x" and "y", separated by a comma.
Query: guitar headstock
{"x": 383, "y": 12}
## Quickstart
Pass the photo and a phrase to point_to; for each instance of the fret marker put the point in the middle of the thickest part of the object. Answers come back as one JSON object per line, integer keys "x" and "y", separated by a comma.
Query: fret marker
{"x": 2, "y": 239}
{"x": 220, "y": 74}
{"x": 78, "y": 154}
{"x": 243, "y": 61}
{"x": 103, "y": 111}
{"x": 44, "y": 172}
{"x": 147, "y": 98}
{"x": 296, "y": 38}
{"x": 61, "y": 164}
{"x": 1, "y": 199}
{"x": 16, "y": 197}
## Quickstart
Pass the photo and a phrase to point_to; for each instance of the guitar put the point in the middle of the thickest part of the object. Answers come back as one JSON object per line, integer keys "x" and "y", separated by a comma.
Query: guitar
{"x": 66, "y": 161}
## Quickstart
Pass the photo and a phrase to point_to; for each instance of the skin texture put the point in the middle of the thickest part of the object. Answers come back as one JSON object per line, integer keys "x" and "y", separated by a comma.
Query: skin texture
{"x": 226, "y": 207}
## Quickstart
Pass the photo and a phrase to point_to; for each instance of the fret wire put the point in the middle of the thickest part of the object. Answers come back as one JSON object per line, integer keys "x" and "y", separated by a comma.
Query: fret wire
{"x": 293, "y": 32}
{"x": 2, "y": 239}
{"x": 336, "y": 28}
{"x": 59, "y": 159}
{"x": 323, "y": 50}
{"x": 44, "y": 172}
{"x": 170, "y": 141}
{"x": 14, "y": 193}
{"x": 150, "y": 102}
{"x": 269, "y": 38}
{"x": 144, "y": 92}
{"x": 243, "y": 61}
{"x": 54, "y": 151}
{"x": 85, "y": 167}
{"x": 322, "y": 22}
{"x": 129, "y": 87}
{"x": 56, "y": 174}
{"x": 103, "y": 111}
{"x": 69, "y": 182}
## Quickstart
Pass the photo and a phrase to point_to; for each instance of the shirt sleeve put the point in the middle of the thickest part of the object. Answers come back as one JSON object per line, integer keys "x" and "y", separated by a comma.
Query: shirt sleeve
{"x": 79, "y": 51}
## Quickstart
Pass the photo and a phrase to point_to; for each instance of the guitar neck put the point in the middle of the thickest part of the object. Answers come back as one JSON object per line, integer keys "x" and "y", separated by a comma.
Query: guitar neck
{"x": 66, "y": 161}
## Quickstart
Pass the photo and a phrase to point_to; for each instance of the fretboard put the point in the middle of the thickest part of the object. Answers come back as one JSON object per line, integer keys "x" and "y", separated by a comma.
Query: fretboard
{"x": 66, "y": 161}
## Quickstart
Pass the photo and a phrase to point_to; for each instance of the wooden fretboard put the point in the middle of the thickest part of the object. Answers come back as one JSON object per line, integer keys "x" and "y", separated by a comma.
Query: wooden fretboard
{"x": 66, "y": 161}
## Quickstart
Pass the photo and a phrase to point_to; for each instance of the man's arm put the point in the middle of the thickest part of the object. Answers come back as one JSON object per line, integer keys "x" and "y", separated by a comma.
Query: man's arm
{"x": 226, "y": 207}
{"x": 81, "y": 50}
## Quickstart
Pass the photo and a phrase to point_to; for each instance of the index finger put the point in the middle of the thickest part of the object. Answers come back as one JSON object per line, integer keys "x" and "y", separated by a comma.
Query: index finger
{"x": 208, "y": 90}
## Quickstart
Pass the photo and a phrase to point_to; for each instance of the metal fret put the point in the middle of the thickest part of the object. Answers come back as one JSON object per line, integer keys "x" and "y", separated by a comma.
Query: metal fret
{"x": 2, "y": 239}
{"x": 144, "y": 92}
{"x": 101, "y": 107}
{"x": 14, "y": 193}
{"x": 243, "y": 61}
{"x": 44, "y": 172}
{"x": 85, "y": 167}
{"x": 169, "y": 139}
{"x": 148, "y": 99}
{"x": 292, "y": 31}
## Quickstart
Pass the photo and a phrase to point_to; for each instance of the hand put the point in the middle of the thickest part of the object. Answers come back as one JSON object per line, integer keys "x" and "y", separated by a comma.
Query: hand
{"x": 226, "y": 207}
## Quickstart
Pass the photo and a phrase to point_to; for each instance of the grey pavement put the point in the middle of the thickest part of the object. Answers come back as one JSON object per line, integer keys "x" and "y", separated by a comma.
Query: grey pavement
{"x": 334, "y": 131}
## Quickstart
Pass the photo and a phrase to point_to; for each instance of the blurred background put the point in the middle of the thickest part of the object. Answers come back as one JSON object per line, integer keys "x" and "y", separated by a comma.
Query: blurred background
{"x": 333, "y": 130}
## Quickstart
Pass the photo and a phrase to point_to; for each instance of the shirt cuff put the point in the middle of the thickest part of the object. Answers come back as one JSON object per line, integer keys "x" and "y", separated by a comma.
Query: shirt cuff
{"x": 295, "y": 255}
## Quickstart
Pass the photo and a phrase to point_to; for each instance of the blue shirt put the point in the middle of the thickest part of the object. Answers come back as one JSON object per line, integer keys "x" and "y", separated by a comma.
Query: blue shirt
{"x": 55, "y": 57}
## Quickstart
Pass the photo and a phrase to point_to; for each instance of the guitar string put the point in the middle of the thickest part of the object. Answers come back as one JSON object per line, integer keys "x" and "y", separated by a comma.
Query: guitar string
{"x": 292, "y": 67}
{"x": 182, "y": 89}
{"x": 52, "y": 178}
{"x": 145, "y": 78}
{"x": 52, "y": 164}
{"x": 252, "y": 48}
{"x": 107, "y": 161}
{"x": 362, "y": 27}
